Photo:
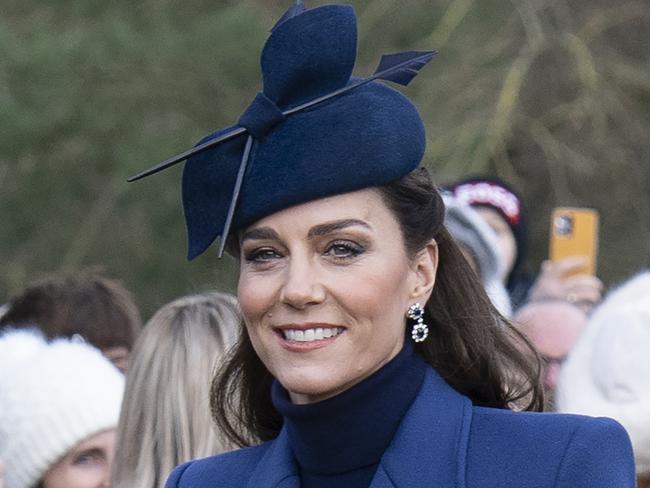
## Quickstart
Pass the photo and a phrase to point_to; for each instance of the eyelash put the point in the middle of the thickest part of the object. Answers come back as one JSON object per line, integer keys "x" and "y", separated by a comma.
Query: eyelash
{"x": 352, "y": 248}
{"x": 85, "y": 459}
{"x": 255, "y": 256}
{"x": 266, "y": 254}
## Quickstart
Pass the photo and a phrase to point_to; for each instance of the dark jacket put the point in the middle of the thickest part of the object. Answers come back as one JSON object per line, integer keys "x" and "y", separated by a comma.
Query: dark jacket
{"x": 444, "y": 442}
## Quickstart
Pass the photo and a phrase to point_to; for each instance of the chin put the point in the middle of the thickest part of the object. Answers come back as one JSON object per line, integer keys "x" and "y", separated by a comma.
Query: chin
{"x": 311, "y": 383}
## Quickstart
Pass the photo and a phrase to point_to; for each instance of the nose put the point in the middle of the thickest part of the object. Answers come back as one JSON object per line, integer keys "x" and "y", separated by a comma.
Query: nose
{"x": 302, "y": 286}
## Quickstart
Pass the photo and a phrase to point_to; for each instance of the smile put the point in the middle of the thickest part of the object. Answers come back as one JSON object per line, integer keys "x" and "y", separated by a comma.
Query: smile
{"x": 310, "y": 335}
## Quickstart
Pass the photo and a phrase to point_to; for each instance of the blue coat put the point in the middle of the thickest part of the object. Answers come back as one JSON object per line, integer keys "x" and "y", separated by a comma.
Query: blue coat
{"x": 445, "y": 442}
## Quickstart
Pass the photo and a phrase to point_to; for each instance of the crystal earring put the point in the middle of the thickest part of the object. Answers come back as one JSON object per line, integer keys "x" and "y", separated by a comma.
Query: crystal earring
{"x": 420, "y": 330}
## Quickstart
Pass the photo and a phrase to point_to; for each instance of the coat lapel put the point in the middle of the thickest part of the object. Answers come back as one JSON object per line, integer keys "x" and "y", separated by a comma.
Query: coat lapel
{"x": 277, "y": 468}
{"x": 430, "y": 446}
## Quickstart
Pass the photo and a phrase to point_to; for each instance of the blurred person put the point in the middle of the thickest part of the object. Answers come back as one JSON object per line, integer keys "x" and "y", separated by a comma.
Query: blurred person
{"x": 162, "y": 425}
{"x": 479, "y": 245}
{"x": 553, "y": 326}
{"x": 87, "y": 304}
{"x": 59, "y": 406}
{"x": 371, "y": 354}
{"x": 504, "y": 211}
{"x": 608, "y": 371}
{"x": 559, "y": 280}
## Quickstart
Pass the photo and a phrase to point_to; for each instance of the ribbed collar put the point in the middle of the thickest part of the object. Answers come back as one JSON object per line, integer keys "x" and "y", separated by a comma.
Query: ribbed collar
{"x": 353, "y": 429}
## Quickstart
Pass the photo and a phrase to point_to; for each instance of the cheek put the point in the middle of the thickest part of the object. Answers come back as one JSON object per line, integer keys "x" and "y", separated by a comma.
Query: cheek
{"x": 254, "y": 296}
{"x": 507, "y": 248}
{"x": 66, "y": 476}
{"x": 381, "y": 296}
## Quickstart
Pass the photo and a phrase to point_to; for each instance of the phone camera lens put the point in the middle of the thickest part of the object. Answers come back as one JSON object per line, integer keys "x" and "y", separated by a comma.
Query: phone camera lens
{"x": 564, "y": 225}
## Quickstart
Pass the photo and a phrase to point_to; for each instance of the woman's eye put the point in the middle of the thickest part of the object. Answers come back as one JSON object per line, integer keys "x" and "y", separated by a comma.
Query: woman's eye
{"x": 83, "y": 459}
{"x": 262, "y": 255}
{"x": 344, "y": 249}
{"x": 86, "y": 459}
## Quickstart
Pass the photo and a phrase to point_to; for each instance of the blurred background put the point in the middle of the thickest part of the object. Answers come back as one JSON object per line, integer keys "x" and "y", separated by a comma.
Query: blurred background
{"x": 553, "y": 96}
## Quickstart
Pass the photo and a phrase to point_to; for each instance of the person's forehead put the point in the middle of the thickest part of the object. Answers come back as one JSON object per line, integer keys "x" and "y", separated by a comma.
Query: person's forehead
{"x": 552, "y": 327}
{"x": 366, "y": 205}
{"x": 491, "y": 215}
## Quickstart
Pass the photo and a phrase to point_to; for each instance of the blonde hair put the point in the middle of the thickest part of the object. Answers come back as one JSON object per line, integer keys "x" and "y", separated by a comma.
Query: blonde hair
{"x": 165, "y": 418}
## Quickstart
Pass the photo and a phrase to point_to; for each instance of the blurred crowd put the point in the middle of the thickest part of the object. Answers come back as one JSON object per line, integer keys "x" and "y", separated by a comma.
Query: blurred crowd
{"x": 90, "y": 397}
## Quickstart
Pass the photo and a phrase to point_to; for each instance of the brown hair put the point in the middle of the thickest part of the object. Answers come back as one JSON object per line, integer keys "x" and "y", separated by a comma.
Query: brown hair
{"x": 97, "y": 308}
{"x": 476, "y": 350}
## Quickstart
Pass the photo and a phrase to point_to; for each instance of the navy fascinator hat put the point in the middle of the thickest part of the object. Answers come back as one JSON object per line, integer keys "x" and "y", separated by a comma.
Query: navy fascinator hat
{"x": 312, "y": 132}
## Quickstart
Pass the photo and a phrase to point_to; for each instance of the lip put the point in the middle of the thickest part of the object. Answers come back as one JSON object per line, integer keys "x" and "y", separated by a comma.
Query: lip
{"x": 295, "y": 346}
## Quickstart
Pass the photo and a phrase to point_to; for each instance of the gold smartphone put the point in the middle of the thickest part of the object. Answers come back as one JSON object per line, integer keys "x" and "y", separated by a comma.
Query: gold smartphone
{"x": 574, "y": 232}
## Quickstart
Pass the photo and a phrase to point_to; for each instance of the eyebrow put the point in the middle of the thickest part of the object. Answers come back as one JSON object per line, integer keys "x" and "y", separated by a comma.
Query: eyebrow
{"x": 261, "y": 233}
{"x": 266, "y": 233}
{"x": 329, "y": 227}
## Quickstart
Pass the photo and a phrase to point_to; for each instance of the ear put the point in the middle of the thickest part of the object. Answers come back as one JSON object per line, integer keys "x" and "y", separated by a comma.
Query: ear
{"x": 425, "y": 267}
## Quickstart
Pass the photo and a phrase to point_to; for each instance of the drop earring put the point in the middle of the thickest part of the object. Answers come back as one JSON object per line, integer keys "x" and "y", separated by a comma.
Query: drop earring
{"x": 419, "y": 330}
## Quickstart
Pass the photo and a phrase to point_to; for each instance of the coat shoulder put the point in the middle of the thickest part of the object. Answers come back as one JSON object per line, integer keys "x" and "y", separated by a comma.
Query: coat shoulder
{"x": 548, "y": 450}
{"x": 230, "y": 469}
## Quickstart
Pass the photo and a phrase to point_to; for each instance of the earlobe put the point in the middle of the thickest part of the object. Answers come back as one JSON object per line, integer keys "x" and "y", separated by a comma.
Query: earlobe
{"x": 426, "y": 268}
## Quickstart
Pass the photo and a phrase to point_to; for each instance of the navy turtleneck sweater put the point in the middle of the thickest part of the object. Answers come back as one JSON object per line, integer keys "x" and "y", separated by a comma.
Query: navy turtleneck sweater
{"x": 339, "y": 441}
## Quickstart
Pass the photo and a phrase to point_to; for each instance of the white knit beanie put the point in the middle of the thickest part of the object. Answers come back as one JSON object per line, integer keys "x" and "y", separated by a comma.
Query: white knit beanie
{"x": 608, "y": 371}
{"x": 52, "y": 396}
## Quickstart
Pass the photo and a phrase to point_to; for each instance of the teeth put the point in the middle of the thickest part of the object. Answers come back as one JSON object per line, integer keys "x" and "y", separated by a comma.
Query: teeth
{"x": 309, "y": 335}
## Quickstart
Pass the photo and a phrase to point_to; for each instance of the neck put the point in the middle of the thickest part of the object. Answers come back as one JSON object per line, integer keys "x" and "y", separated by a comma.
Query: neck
{"x": 352, "y": 429}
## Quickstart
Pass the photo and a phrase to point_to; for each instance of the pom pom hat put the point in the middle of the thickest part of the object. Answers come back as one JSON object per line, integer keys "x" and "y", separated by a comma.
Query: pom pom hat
{"x": 314, "y": 131}
{"x": 52, "y": 396}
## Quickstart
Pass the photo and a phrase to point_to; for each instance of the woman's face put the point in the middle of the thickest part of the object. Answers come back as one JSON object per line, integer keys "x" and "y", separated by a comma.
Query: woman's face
{"x": 505, "y": 237}
{"x": 324, "y": 288}
{"x": 86, "y": 465}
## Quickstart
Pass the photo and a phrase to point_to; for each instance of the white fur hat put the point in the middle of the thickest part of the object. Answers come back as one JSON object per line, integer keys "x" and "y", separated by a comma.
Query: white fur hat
{"x": 608, "y": 371}
{"x": 52, "y": 396}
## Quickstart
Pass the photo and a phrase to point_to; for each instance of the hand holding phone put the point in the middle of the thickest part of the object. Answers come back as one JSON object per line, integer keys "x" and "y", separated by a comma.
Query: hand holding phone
{"x": 574, "y": 233}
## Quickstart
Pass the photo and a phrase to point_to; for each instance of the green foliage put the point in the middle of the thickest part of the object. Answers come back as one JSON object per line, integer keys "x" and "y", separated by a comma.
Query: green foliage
{"x": 553, "y": 96}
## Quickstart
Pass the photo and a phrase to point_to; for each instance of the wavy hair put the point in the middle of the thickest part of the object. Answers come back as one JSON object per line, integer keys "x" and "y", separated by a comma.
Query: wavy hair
{"x": 471, "y": 345}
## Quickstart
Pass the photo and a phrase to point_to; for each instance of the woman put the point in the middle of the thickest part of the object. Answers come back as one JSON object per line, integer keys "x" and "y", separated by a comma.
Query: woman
{"x": 86, "y": 304}
{"x": 479, "y": 245}
{"x": 503, "y": 210}
{"x": 160, "y": 426}
{"x": 370, "y": 356}
{"x": 59, "y": 404}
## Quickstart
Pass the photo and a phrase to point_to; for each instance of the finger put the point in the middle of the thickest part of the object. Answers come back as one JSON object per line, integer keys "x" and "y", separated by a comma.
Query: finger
{"x": 584, "y": 281}
{"x": 569, "y": 265}
{"x": 584, "y": 295}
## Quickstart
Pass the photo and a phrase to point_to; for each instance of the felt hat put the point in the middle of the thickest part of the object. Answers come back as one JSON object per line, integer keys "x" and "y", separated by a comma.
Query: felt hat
{"x": 607, "y": 372}
{"x": 312, "y": 132}
{"x": 52, "y": 396}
